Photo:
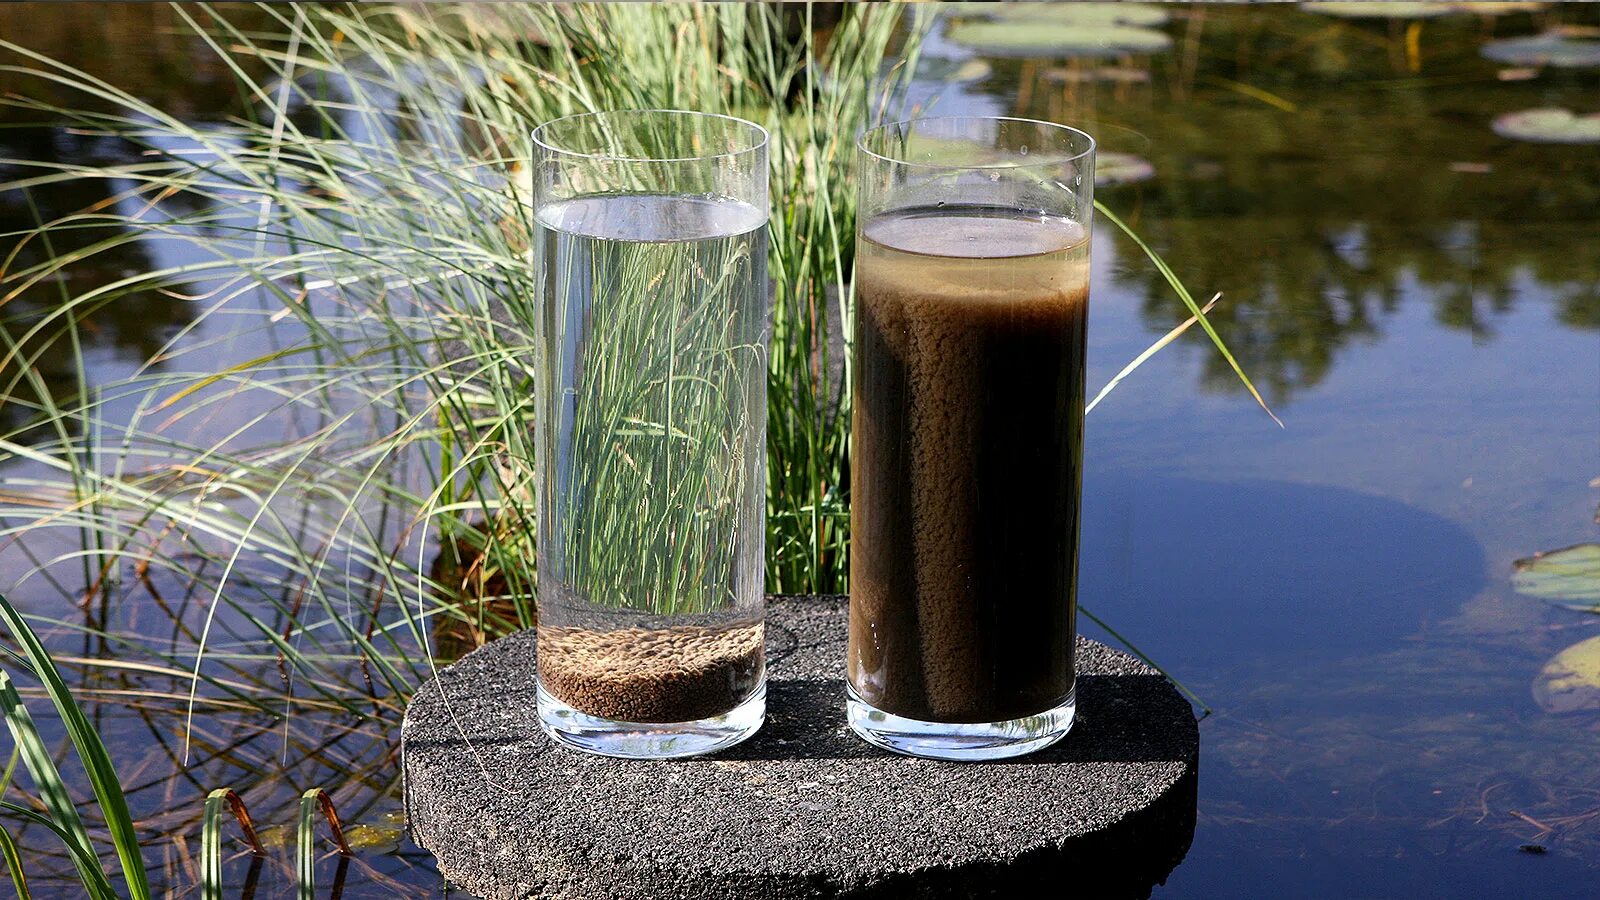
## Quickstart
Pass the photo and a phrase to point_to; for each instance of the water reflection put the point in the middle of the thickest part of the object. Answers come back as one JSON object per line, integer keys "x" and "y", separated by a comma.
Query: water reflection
{"x": 1375, "y": 728}
{"x": 1317, "y": 195}
{"x": 144, "y": 50}
{"x": 131, "y": 327}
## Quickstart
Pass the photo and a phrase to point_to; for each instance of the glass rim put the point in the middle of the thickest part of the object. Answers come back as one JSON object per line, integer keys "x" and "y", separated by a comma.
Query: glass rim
{"x": 861, "y": 143}
{"x": 760, "y": 137}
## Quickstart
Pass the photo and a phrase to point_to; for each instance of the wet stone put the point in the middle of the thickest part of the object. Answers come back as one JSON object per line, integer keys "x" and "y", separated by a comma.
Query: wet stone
{"x": 803, "y": 809}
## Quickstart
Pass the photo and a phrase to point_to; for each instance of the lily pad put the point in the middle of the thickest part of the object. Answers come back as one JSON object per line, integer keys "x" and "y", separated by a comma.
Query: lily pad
{"x": 972, "y": 70}
{"x": 1570, "y": 681}
{"x": 954, "y": 71}
{"x": 1518, "y": 73}
{"x": 948, "y": 151}
{"x": 1121, "y": 168}
{"x": 1360, "y": 10}
{"x": 1086, "y": 13}
{"x": 1561, "y": 49}
{"x": 978, "y": 8}
{"x": 1567, "y": 577}
{"x": 1498, "y": 9}
{"x": 276, "y": 837}
{"x": 1097, "y": 74}
{"x": 384, "y": 838}
{"x": 1049, "y": 38}
{"x": 1549, "y": 126}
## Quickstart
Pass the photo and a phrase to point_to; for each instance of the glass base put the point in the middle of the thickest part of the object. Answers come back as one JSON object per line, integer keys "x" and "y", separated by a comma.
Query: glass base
{"x": 650, "y": 740}
{"x": 962, "y": 742}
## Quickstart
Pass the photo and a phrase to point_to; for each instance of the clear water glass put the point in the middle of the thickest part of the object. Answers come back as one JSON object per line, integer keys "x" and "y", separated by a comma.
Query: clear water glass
{"x": 651, "y": 430}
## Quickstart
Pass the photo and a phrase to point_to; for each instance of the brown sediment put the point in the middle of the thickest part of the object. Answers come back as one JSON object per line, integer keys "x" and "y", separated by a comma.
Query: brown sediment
{"x": 676, "y": 674}
{"x": 965, "y": 466}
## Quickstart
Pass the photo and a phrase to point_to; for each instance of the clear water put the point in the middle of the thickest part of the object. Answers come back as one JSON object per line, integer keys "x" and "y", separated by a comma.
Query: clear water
{"x": 652, "y": 434}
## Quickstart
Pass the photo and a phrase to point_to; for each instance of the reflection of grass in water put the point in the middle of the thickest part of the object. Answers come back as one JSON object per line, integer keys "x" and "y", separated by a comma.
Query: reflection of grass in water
{"x": 650, "y": 510}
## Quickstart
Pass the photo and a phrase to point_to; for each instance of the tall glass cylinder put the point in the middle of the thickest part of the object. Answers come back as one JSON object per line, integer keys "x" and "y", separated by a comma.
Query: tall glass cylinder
{"x": 651, "y": 430}
{"x": 972, "y": 284}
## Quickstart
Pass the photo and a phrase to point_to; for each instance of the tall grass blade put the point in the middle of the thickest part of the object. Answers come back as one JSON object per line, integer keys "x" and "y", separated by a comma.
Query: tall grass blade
{"x": 91, "y": 751}
{"x": 248, "y": 365}
{"x": 52, "y": 790}
{"x": 47, "y": 780}
{"x": 1149, "y": 351}
{"x": 11, "y": 770}
{"x": 96, "y": 884}
{"x": 19, "y": 881}
{"x": 211, "y": 838}
{"x": 1132, "y": 648}
{"x": 313, "y": 802}
{"x": 1194, "y": 308}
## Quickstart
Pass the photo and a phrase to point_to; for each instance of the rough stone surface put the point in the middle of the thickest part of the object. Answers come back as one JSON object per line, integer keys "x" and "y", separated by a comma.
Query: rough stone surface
{"x": 803, "y": 809}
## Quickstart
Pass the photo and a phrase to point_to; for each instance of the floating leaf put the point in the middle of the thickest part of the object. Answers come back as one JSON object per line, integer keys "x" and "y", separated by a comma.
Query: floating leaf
{"x": 276, "y": 837}
{"x": 972, "y": 70}
{"x": 1549, "y": 126}
{"x": 374, "y": 838}
{"x": 1049, "y": 38}
{"x": 1093, "y": 74}
{"x": 934, "y": 68}
{"x": 1570, "y": 681}
{"x": 961, "y": 10}
{"x": 1359, "y": 10}
{"x": 1069, "y": 13}
{"x": 1562, "y": 49}
{"x": 1121, "y": 168}
{"x": 932, "y": 150}
{"x": 1498, "y": 9}
{"x": 1567, "y": 577}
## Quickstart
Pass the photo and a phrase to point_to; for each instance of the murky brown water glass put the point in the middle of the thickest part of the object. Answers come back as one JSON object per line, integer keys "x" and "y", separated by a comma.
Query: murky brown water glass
{"x": 972, "y": 285}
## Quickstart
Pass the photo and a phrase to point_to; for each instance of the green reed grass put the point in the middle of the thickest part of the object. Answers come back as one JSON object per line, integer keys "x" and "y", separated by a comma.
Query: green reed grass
{"x": 13, "y": 859}
{"x": 60, "y": 813}
{"x": 648, "y": 508}
{"x": 441, "y": 223}
{"x": 377, "y": 205}
{"x": 366, "y": 225}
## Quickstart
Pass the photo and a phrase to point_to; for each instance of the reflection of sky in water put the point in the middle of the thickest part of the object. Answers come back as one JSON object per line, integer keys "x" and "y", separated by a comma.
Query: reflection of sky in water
{"x": 1436, "y": 461}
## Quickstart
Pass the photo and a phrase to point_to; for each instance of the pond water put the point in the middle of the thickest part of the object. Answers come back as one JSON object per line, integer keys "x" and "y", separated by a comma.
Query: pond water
{"x": 1417, "y": 297}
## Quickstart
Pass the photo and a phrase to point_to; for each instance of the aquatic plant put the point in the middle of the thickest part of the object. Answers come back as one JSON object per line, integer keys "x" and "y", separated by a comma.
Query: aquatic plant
{"x": 1549, "y": 126}
{"x": 1558, "y": 48}
{"x": 1568, "y": 578}
{"x": 1068, "y": 30}
{"x": 365, "y": 229}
